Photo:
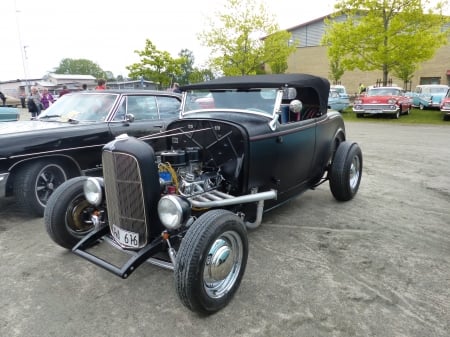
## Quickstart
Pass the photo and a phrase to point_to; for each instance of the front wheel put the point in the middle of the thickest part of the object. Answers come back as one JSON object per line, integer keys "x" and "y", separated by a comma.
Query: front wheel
{"x": 346, "y": 171}
{"x": 68, "y": 215}
{"x": 211, "y": 261}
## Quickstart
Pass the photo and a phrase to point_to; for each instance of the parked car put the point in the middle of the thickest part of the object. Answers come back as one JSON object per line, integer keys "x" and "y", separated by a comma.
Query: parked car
{"x": 445, "y": 106}
{"x": 8, "y": 114}
{"x": 12, "y": 102}
{"x": 383, "y": 100}
{"x": 341, "y": 90}
{"x": 65, "y": 141}
{"x": 338, "y": 102}
{"x": 428, "y": 96}
{"x": 187, "y": 207}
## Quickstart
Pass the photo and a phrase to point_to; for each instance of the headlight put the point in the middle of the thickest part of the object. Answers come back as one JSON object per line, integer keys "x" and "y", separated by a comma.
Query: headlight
{"x": 173, "y": 211}
{"x": 93, "y": 191}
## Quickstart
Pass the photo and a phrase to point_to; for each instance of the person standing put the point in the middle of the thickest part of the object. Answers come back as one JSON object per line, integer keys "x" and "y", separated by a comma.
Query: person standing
{"x": 101, "y": 84}
{"x": 176, "y": 88}
{"x": 46, "y": 99}
{"x": 34, "y": 103}
{"x": 3, "y": 98}
{"x": 64, "y": 91}
{"x": 362, "y": 88}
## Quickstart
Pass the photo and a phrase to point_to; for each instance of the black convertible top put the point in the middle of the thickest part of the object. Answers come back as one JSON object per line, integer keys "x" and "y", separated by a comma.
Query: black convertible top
{"x": 320, "y": 85}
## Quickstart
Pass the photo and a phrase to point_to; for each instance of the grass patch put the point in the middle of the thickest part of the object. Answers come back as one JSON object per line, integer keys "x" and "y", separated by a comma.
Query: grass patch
{"x": 416, "y": 116}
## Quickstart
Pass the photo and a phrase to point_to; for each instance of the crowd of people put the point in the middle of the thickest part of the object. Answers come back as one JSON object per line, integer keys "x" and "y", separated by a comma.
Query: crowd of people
{"x": 39, "y": 101}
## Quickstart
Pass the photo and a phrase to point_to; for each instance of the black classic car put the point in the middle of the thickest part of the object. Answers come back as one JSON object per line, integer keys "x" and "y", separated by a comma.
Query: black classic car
{"x": 242, "y": 146}
{"x": 65, "y": 141}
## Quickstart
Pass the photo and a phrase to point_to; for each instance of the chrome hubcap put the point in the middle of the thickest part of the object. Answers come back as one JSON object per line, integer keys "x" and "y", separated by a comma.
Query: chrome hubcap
{"x": 354, "y": 172}
{"x": 222, "y": 264}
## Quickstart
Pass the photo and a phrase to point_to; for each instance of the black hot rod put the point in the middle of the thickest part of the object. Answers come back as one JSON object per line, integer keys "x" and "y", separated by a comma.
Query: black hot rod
{"x": 241, "y": 147}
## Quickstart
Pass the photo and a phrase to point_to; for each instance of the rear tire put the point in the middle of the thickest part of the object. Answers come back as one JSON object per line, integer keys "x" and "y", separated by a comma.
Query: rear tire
{"x": 211, "y": 261}
{"x": 67, "y": 216}
{"x": 346, "y": 171}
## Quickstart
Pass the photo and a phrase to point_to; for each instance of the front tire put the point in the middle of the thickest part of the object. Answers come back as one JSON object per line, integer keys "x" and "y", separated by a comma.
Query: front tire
{"x": 35, "y": 182}
{"x": 346, "y": 171}
{"x": 68, "y": 215}
{"x": 211, "y": 261}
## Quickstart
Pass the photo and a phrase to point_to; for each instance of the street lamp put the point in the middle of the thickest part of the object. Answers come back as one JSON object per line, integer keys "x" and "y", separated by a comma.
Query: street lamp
{"x": 22, "y": 51}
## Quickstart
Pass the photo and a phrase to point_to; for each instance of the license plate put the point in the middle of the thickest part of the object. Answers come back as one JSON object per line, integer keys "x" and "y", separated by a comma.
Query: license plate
{"x": 126, "y": 238}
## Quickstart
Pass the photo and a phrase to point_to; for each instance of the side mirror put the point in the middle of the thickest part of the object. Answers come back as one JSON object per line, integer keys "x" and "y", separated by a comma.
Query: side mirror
{"x": 129, "y": 118}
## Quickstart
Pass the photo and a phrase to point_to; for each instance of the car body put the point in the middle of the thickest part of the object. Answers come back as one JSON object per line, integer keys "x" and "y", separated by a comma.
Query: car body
{"x": 66, "y": 139}
{"x": 445, "y": 106}
{"x": 187, "y": 208}
{"x": 382, "y": 101}
{"x": 338, "y": 102}
{"x": 12, "y": 102}
{"x": 8, "y": 114}
{"x": 429, "y": 96}
{"x": 341, "y": 90}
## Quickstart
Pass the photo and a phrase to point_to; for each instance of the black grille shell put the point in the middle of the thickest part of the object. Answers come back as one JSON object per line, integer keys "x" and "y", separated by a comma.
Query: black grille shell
{"x": 132, "y": 188}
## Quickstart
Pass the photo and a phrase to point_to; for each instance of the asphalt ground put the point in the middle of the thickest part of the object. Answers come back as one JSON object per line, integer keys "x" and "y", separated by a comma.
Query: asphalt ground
{"x": 378, "y": 265}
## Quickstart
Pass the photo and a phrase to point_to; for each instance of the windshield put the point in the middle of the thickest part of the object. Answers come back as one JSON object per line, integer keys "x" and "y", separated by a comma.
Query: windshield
{"x": 85, "y": 107}
{"x": 440, "y": 90}
{"x": 261, "y": 101}
{"x": 384, "y": 92}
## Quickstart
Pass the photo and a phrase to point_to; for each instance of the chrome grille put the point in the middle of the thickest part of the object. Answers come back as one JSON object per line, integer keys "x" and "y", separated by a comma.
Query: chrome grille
{"x": 376, "y": 106}
{"x": 124, "y": 194}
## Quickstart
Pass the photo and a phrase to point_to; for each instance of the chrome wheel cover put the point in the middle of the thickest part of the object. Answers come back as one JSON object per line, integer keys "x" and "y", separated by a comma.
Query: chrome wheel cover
{"x": 223, "y": 264}
{"x": 355, "y": 169}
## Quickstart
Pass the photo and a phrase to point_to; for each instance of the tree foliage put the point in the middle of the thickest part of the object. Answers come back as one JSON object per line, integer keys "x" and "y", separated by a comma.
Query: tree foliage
{"x": 235, "y": 36}
{"x": 393, "y": 36}
{"x": 155, "y": 65}
{"x": 80, "y": 67}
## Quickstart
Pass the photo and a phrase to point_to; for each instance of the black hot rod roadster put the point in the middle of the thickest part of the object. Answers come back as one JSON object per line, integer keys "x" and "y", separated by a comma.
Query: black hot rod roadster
{"x": 241, "y": 147}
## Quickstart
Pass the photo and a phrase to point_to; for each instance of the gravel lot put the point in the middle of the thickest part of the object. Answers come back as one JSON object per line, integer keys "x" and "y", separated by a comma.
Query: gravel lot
{"x": 378, "y": 265}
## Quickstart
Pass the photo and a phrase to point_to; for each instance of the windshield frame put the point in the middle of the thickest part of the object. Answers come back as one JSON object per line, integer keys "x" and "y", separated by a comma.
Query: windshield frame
{"x": 196, "y": 101}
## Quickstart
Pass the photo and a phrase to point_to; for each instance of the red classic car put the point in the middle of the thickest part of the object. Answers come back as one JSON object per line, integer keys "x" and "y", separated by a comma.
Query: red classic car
{"x": 383, "y": 100}
{"x": 445, "y": 106}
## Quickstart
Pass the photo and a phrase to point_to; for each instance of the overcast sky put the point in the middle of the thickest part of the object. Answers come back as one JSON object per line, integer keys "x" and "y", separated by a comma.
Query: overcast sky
{"x": 108, "y": 32}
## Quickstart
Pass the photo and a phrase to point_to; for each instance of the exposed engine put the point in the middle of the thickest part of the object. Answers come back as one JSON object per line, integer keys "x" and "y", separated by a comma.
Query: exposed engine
{"x": 182, "y": 172}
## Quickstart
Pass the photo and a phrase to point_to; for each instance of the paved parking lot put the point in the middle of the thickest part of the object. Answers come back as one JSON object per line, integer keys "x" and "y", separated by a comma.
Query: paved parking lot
{"x": 378, "y": 265}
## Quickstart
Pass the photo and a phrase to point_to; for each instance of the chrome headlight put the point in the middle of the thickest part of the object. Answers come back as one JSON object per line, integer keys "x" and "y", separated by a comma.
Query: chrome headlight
{"x": 93, "y": 190}
{"x": 173, "y": 211}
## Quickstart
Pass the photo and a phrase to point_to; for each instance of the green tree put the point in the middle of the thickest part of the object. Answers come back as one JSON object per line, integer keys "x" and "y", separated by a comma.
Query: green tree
{"x": 156, "y": 65}
{"x": 80, "y": 67}
{"x": 387, "y": 35}
{"x": 235, "y": 36}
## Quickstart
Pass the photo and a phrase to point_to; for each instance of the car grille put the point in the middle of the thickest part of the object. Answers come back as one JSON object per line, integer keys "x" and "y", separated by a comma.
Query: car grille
{"x": 383, "y": 107}
{"x": 124, "y": 194}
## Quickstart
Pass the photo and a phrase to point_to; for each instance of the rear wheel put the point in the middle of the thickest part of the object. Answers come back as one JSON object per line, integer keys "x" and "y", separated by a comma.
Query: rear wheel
{"x": 346, "y": 171}
{"x": 68, "y": 215}
{"x": 211, "y": 261}
{"x": 35, "y": 182}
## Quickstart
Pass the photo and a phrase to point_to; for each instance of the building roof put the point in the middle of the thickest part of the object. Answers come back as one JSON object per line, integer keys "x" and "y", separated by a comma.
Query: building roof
{"x": 71, "y": 77}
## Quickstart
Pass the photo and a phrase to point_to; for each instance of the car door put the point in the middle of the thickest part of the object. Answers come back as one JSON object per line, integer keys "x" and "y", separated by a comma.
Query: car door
{"x": 295, "y": 146}
{"x": 146, "y": 113}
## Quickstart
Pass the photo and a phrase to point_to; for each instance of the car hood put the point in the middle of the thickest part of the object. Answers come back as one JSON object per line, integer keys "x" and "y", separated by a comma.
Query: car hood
{"x": 377, "y": 99}
{"x": 30, "y": 126}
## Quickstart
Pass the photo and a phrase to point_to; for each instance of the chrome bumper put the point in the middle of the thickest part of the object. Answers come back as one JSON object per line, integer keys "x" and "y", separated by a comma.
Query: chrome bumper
{"x": 3, "y": 180}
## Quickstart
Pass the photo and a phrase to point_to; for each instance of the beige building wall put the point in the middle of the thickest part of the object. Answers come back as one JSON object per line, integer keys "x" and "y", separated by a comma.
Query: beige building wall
{"x": 313, "y": 60}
